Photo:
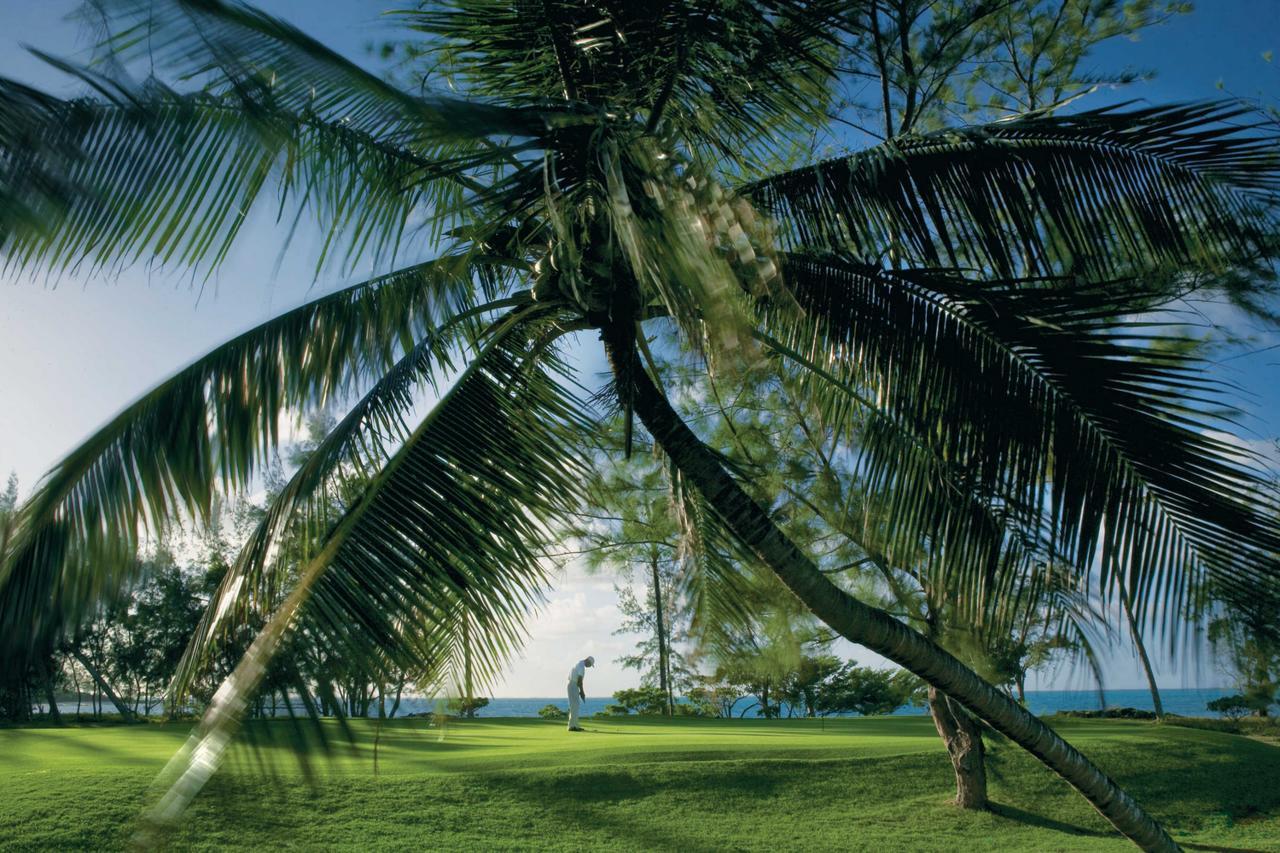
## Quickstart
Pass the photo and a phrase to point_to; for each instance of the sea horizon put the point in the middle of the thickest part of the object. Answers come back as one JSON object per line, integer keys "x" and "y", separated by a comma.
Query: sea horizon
{"x": 1186, "y": 702}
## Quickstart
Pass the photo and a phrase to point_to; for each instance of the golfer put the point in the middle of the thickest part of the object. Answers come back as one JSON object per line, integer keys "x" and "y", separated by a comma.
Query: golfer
{"x": 576, "y": 691}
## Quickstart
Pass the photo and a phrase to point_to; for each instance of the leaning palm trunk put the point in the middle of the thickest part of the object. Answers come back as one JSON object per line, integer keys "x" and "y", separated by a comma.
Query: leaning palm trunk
{"x": 869, "y": 626}
{"x": 104, "y": 686}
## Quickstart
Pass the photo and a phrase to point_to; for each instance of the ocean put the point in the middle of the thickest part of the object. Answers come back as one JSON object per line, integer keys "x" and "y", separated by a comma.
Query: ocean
{"x": 1185, "y": 702}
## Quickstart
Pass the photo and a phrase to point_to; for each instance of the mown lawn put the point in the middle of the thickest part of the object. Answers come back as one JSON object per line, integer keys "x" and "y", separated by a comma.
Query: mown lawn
{"x": 637, "y": 784}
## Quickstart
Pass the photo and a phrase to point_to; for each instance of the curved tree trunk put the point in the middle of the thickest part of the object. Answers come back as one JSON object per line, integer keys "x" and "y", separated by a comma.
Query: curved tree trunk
{"x": 664, "y": 675}
{"x": 1142, "y": 652}
{"x": 47, "y": 678}
{"x": 963, "y": 737}
{"x": 104, "y": 687}
{"x": 869, "y": 626}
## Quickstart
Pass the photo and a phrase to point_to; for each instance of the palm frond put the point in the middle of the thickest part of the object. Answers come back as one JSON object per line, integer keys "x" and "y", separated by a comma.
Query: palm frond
{"x": 208, "y": 428}
{"x": 227, "y": 46}
{"x": 1099, "y": 194}
{"x": 363, "y": 441}
{"x": 170, "y": 179}
{"x": 1048, "y": 402}
{"x": 717, "y": 74}
{"x": 458, "y": 517}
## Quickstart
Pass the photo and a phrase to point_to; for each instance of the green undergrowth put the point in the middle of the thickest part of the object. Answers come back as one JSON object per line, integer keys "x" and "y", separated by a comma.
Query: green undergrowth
{"x": 633, "y": 784}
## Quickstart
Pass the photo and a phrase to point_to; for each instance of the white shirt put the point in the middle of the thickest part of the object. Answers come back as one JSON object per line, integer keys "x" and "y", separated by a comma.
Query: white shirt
{"x": 579, "y": 671}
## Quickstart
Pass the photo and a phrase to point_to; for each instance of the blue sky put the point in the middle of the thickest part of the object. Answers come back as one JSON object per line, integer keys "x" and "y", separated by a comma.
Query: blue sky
{"x": 76, "y": 351}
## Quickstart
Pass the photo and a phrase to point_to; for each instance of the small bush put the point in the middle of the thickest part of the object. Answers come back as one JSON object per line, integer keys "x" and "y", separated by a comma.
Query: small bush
{"x": 1112, "y": 714}
{"x": 642, "y": 700}
{"x": 552, "y": 712}
{"x": 1232, "y": 707}
{"x": 466, "y": 707}
{"x": 695, "y": 709}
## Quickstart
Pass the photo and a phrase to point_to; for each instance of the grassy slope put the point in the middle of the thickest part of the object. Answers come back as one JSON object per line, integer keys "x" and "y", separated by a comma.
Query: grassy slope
{"x": 874, "y": 784}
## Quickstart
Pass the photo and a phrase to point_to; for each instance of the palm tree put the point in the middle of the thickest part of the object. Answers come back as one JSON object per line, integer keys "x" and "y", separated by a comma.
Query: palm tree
{"x": 981, "y": 295}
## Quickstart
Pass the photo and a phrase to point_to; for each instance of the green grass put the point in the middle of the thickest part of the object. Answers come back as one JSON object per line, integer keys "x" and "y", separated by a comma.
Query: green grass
{"x": 639, "y": 784}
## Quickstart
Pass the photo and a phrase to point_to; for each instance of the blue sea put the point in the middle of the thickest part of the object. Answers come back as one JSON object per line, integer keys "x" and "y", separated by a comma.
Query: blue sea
{"x": 1185, "y": 702}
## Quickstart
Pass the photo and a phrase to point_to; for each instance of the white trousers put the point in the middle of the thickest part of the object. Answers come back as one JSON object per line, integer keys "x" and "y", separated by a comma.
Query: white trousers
{"x": 574, "y": 700}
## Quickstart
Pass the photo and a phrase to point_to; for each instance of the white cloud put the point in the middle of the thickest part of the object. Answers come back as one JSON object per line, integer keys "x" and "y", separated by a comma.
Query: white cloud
{"x": 578, "y": 619}
{"x": 1255, "y": 451}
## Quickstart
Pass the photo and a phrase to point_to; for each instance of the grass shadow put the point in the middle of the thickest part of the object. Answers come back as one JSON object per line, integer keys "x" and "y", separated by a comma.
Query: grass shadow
{"x": 1023, "y": 816}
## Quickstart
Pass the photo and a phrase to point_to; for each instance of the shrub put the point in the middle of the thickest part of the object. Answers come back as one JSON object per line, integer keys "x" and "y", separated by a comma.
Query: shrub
{"x": 697, "y": 704}
{"x": 1112, "y": 714}
{"x": 466, "y": 707}
{"x": 642, "y": 700}
{"x": 552, "y": 712}
{"x": 866, "y": 691}
{"x": 1232, "y": 707}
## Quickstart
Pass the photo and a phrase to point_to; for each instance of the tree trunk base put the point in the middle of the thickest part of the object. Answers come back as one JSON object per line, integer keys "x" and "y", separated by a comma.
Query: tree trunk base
{"x": 963, "y": 738}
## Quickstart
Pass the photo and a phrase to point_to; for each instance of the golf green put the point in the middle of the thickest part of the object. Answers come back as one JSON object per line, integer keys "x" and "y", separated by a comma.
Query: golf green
{"x": 878, "y": 783}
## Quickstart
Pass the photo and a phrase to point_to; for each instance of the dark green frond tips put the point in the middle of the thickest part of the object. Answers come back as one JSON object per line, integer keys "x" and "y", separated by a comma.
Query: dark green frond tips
{"x": 1102, "y": 194}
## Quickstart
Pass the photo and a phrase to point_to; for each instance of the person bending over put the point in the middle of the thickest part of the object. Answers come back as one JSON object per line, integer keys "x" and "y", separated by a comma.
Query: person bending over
{"x": 577, "y": 693}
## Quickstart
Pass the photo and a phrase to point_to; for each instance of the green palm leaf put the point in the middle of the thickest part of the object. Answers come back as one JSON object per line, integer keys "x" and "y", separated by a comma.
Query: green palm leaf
{"x": 457, "y": 518}
{"x": 719, "y": 75}
{"x": 1100, "y": 193}
{"x": 209, "y": 427}
{"x": 229, "y": 46}
{"x": 364, "y": 441}
{"x": 171, "y": 179}
{"x": 1042, "y": 399}
{"x": 143, "y": 172}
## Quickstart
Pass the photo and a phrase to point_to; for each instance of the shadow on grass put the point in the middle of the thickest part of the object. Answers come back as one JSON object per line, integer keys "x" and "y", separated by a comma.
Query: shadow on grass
{"x": 1243, "y": 784}
{"x": 598, "y": 795}
{"x": 1032, "y": 819}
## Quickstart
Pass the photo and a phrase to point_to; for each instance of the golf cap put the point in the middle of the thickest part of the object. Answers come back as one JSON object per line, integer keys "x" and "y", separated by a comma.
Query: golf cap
{"x": 591, "y": 661}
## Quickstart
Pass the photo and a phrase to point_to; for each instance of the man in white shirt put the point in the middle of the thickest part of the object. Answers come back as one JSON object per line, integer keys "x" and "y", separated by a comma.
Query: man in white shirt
{"x": 576, "y": 691}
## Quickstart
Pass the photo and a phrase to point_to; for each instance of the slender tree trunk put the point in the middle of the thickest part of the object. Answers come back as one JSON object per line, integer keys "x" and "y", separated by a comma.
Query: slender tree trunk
{"x": 395, "y": 706}
{"x": 54, "y": 714}
{"x": 75, "y": 681}
{"x": 468, "y": 711}
{"x": 865, "y": 625}
{"x": 104, "y": 687}
{"x": 664, "y": 681}
{"x": 963, "y": 738}
{"x": 1142, "y": 651}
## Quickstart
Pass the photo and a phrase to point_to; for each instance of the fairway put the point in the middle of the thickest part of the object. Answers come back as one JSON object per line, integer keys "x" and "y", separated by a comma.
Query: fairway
{"x": 879, "y": 783}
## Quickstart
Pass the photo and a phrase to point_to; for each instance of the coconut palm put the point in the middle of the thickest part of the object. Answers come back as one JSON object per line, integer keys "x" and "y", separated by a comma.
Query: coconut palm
{"x": 981, "y": 297}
